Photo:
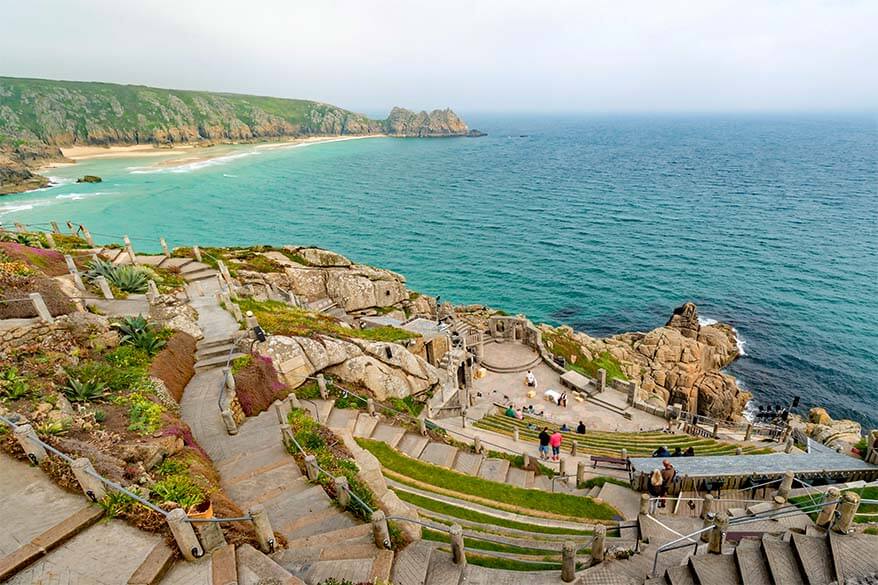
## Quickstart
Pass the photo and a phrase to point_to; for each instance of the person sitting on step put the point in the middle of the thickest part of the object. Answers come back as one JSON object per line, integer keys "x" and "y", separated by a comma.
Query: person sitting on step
{"x": 580, "y": 428}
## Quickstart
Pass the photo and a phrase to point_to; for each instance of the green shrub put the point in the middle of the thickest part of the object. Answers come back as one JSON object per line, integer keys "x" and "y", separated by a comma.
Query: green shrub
{"x": 138, "y": 332}
{"x": 144, "y": 415}
{"x": 114, "y": 377}
{"x": 240, "y": 363}
{"x": 129, "y": 279}
{"x": 115, "y": 503}
{"x": 179, "y": 488}
{"x": 13, "y": 386}
{"x": 86, "y": 390}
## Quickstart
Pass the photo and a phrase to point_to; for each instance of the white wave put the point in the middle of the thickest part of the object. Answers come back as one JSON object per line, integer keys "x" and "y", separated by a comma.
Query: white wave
{"x": 78, "y": 196}
{"x": 739, "y": 340}
{"x": 192, "y": 166}
{"x": 59, "y": 181}
{"x": 15, "y": 207}
{"x": 230, "y": 176}
{"x": 705, "y": 321}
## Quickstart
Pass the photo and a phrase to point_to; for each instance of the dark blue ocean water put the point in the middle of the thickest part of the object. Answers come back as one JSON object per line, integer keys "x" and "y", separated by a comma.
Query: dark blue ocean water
{"x": 605, "y": 223}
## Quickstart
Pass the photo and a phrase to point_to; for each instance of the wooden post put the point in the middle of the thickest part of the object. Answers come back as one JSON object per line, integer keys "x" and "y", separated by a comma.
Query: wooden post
{"x": 229, "y": 422}
{"x": 709, "y": 520}
{"x": 19, "y": 227}
{"x": 87, "y": 235}
{"x": 706, "y": 506}
{"x": 598, "y": 543}
{"x": 568, "y": 561}
{"x": 422, "y": 427}
{"x": 321, "y": 385}
{"x": 370, "y": 406}
{"x": 29, "y": 441}
{"x": 602, "y": 380}
{"x": 184, "y": 535}
{"x": 196, "y": 251}
{"x": 380, "y": 531}
{"x": 788, "y": 447}
{"x": 311, "y": 469}
{"x": 165, "y": 250}
{"x": 749, "y": 433}
{"x": 105, "y": 287}
{"x": 40, "y": 307}
{"x": 262, "y": 526}
{"x": 580, "y": 473}
{"x": 783, "y": 492}
{"x": 55, "y": 229}
{"x": 515, "y": 435}
{"x": 152, "y": 292}
{"x": 525, "y": 460}
{"x": 279, "y": 412}
{"x": 562, "y": 468}
{"x": 573, "y": 448}
{"x": 91, "y": 486}
{"x": 286, "y": 434}
{"x": 715, "y": 430}
{"x": 341, "y": 491}
{"x": 477, "y": 444}
{"x": 717, "y": 535}
{"x": 294, "y": 401}
{"x": 211, "y": 536}
{"x": 50, "y": 240}
{"x": 457, "y": 552}
{"x": 644, "y": 504}
{"x": 850, "y": 501}
{"x": 827, "y": 513}
{"x": 128, "y": 249}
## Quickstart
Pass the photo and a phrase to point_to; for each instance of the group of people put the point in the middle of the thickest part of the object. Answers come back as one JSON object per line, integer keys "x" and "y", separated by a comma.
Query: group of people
{"x": 678, "y": 452}
{"x": 550, "y": 440}
{"x": 660, "y": 482}
{"x": 518, "y": 413}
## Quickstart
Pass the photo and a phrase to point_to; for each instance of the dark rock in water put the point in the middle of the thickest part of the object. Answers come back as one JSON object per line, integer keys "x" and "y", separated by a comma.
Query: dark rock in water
{"x": 89, "y": 179}
{"x": 476, "y": 133}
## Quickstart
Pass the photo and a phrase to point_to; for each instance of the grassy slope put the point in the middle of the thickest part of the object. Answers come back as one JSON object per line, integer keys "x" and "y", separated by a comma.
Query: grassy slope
{"x": 134, "y": 108}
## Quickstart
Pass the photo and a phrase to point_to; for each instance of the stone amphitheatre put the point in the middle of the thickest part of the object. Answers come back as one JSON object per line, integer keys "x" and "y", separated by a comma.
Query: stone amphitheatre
{"x": 268, "y": 415}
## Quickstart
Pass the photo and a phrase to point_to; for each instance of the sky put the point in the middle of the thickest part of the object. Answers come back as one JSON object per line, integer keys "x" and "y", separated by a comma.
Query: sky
{"x": 472, "y": 55}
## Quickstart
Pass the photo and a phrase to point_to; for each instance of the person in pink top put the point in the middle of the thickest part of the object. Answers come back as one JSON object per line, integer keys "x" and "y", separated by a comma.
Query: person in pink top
{"x": 555, "y": 442}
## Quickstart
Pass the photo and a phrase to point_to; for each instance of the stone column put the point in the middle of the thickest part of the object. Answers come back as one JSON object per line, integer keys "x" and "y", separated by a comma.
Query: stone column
{"x": 717, "y": 535}
{"x": 562, "y": 468}
{"x": 341, "y": 491}
{"x": 196, "y": 251}
{"x": 229, "y": 422}
{"x": 294, "y": 401}
{"x": 568, "y": 561}
{"x": 19, "y": 227}
{"x": 321, "y": 385}
{"x": 152, "y": 292}
{"x": 602, "y": 380}
{"x": 598, "y": 543}
{"x": 71, "y": 267}
{"x": 380, "y": 531}
{"x": 749, "y": 433}
{"x": 128, "y": 249}
{"x": 457, "y": 552}
{"x": 165, "y": 250}
{"x": 370, "y": 406}
{"x": 644, "y": 504}
{"x": 211, "y": 535}
{"x": 515, "y": 435}
{"x": 573, "y": 448}
{"x": 279, "y": 412}
{"x": 236, "y": 312}
{"x": 29, "y": 441}
{"x": 525, "y": 459}
{"x": 739, "y": 451}
{"x": 480, "y": 347}
{"x": 580, "y": 473}
{"x": 850, "y": 501}
{"x": 262, "y": 526}
{"x": 87, "y": 235}
{"x": 50, "y": 240}
{"x": 422, "y": 427}
{"x": 286, "y": 434}
{"x": 105, "y": 287}
{"x": 91, "y": 486}
{"x": 632, "y": 393}
{"x": 40, "y": 307}
{"x": 709, "y": 520}
{"x": 184, "y": 535}
{"x": 827, "y": 512}
{"x": 55, "y": 229}
{"x": 788, "y": 447}
{"x": 783, "y": 492}
{"x": 477, "y": 444}
{"x": 311, "y": 469}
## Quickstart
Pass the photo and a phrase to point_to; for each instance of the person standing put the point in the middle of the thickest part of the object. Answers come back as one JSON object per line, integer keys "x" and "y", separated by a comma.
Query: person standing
{"x": 555, "y": 442}
{"x": 530, "y": 379}
{"x": 544, "y": 444}
{"x": 668, "y": 475}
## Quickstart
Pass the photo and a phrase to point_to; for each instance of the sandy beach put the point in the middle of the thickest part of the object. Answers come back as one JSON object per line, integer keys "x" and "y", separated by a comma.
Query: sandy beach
{"x": 187, "y": 153}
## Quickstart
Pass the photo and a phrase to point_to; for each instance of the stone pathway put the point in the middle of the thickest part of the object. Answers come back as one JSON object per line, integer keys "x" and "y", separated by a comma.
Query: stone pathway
{"x": 255, "y": 468}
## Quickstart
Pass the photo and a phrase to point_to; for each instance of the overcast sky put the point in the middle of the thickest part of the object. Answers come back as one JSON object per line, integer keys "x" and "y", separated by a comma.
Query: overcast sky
{"x": 472, "y": 55}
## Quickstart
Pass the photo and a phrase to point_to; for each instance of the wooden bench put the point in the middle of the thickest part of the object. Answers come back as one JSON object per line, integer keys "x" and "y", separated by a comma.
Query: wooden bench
{"x": 595, "y": 459}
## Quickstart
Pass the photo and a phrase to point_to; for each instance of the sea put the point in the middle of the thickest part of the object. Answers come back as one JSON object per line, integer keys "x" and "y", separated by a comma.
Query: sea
{"x": 603, "y": 222}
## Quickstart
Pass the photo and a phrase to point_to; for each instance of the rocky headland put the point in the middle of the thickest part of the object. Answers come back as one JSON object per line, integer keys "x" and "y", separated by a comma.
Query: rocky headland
{"x": 39, "y": 117}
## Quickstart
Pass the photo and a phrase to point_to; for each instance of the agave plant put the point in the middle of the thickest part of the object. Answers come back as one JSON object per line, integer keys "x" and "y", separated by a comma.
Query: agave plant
{"x": 131, "y": 279}
{"x": 138, "y": 332}
{"x": 26, "y": 239}
{"x": 84, "y": 390}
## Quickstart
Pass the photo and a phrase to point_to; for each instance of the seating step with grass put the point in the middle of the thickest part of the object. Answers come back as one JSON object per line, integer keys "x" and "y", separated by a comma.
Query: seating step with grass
{"x": 609, "y": 444}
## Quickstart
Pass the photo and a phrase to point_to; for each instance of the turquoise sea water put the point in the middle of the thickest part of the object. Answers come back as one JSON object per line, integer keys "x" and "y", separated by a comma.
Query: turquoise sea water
{"x": 605, "y": 223}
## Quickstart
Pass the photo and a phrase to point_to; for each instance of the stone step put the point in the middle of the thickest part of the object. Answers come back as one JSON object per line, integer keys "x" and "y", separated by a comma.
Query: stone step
{"x": 752, "y": 566}
{"x": 412, "y": 563}
{"x": 224, "y": 566}
{"x": 781, "y": 561}
{"x": 412, "y": 444}
{"x": 389, "y": 434}
{"x": 219, "y": 361}
{"x": 541, "y": 482}
{"x": 736, "y": 512}
{"x": 656, "y": 581}
{"x": 680, "y": 575}
{"x": 318, "y": 408}
{"x": 761, "y": 508}
{"x": 49, "y": 540}
{"x": 494, "y": 469}
{"x": 854, "y": 555}
{"x": 714, "y": 569}
{"x": 337, "y": 571}
{"x": 262, "y": 487}
{"x": 215, "y": 350}
{"x": 247, "y": 464}
{"x": 317, "y": 523}
{"x": 194, "y": 266}
{"x": 156, "y": 564}
{"x": 342, "y": 419}
{"x": 594, "y": 491}
{"x": 255, "y": 568}
{"x": 814, "y": 558}
{"x": 331, "y": 537}
{"x": 624, "y": 499}
{"x": 520, "y": 477}
{"x": 365, "y": 425}
{"x": 442, "y": 570}
{"x": 196, "y": 275}
{"x": 215, "y": 341}
{"x": 439, "y": 454}
{"x": 359, "y": 547}
{"x": 381, "y": 567}
{"x": 468, "y": 463}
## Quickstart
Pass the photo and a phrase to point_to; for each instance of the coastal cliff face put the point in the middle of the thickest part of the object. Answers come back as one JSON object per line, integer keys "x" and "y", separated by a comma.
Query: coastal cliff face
{"x": 38, "y": 116}
{"x": 678, "y": 363}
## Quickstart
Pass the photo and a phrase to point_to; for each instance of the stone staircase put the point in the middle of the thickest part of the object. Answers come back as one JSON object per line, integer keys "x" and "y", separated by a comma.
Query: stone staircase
{"x": 216, "y": 352}
{"x": 789, "y": 559}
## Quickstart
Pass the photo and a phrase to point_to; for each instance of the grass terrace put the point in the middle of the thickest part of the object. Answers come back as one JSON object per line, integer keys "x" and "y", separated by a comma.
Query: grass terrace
{"x": 609, "y": 443}
{"x": 572, "y": 352}
{"x": 281, "y": 319}
{"x": 474, "y": 489}
{"x": 869, "y": 493}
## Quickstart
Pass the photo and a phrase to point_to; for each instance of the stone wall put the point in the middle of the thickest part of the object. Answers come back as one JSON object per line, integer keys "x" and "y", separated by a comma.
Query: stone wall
{"x": 87, "y": 326}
